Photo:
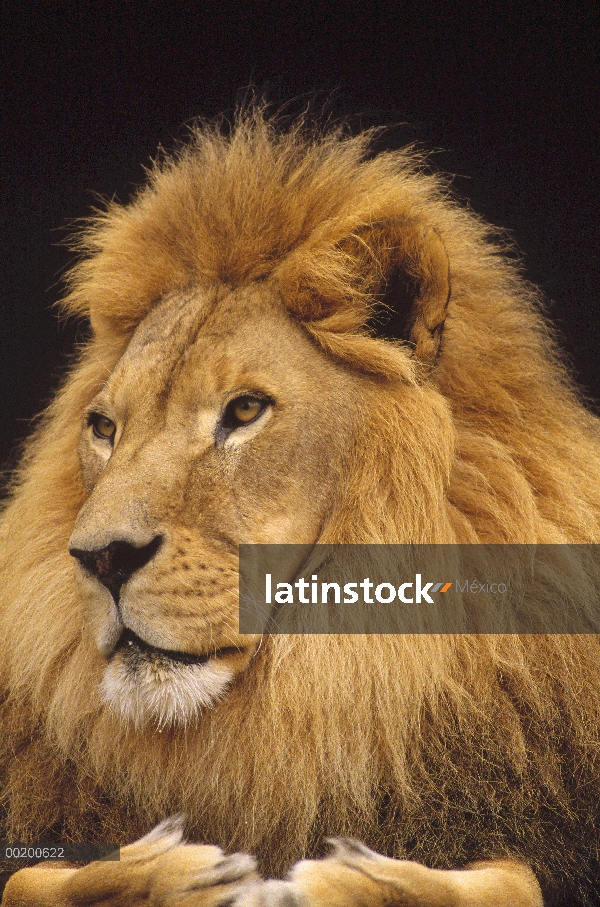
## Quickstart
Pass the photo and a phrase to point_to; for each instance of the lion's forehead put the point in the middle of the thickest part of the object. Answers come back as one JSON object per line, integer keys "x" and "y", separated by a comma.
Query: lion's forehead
{"x": 195, "y": 346}
{"x": 169, "y": 354}
{"x": 170, "y": 327}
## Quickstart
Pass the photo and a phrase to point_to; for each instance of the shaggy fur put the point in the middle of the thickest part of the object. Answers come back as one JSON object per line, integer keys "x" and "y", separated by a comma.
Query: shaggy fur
{"x": 443, "y": 749}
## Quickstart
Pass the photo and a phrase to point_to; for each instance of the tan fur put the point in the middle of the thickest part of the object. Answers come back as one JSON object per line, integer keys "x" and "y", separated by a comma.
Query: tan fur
{"x": 441, "y": 749}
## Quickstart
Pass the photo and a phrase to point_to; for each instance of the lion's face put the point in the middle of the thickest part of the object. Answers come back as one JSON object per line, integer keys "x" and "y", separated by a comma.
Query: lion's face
{"x": 220, "y": 425}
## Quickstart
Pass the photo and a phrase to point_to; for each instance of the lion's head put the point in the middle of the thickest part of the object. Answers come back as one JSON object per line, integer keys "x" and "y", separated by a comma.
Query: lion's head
{"x": 221, "y": 424}
{"x": 236, "y": 414}
{"x": 293, "y": 341}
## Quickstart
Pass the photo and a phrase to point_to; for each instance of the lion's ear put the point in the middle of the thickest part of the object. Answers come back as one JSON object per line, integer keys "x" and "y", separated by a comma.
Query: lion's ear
{"x": 405, "y": 267}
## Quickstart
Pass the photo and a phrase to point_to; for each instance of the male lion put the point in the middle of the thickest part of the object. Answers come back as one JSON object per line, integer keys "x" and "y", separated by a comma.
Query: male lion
{"x": 294, "y": 340}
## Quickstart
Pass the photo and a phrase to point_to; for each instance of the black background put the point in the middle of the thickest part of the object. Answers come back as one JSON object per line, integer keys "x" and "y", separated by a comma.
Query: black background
{"x": 506, "y": 94}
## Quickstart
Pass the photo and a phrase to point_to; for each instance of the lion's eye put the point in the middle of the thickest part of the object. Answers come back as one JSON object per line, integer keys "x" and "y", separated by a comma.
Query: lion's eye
{"x": 242, "y": 411}
{"x": 102, "y": 427}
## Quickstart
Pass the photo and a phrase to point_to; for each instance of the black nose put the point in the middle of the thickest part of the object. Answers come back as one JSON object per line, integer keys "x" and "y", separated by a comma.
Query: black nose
{"x": 117, "y": 562}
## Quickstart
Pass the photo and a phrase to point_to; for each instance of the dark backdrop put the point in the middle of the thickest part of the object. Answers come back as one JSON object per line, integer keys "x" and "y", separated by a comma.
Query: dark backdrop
{"x": 506, "y": 94}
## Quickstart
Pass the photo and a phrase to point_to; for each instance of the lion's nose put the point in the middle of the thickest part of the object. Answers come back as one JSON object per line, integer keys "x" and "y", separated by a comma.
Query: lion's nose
{"x": 114, "y": 564}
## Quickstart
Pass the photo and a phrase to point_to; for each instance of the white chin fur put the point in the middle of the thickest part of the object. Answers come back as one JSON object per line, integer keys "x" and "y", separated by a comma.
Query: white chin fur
{"x": 172, "y": 694}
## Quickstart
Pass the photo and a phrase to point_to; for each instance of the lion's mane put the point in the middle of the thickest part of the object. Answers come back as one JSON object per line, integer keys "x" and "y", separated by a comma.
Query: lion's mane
{"x": 457, "y": 747}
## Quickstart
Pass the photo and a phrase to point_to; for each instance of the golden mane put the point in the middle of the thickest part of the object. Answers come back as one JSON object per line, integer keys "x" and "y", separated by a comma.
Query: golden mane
{"x": 437, "y": 722}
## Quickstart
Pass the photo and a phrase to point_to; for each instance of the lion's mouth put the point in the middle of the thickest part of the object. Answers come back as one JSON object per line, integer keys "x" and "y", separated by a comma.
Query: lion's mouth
{"x": 132, "y": 645}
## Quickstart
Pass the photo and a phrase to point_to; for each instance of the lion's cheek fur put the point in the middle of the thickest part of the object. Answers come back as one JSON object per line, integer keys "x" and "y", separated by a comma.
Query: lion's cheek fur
{"x": 41, "y": 599}
{"x": 400, "y": 509}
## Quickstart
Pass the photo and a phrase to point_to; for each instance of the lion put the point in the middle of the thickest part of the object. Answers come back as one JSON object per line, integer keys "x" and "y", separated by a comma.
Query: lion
{"x": 294, "y": 340}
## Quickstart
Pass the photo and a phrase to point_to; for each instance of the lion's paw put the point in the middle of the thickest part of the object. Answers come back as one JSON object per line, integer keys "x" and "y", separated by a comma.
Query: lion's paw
{"x": 355, "y": 876}
{"x": 157, "y": 871}
{"x": 160, "y": 871}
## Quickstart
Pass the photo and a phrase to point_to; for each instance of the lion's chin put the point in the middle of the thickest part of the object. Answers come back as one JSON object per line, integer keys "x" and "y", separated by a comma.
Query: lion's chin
{"x": 146, "y": 685}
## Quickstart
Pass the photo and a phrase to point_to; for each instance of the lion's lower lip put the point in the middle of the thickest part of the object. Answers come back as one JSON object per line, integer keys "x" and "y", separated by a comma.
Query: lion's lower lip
{"x": 129, "y": 640}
